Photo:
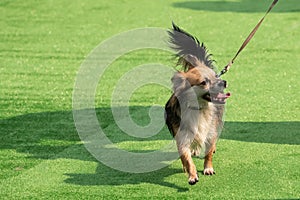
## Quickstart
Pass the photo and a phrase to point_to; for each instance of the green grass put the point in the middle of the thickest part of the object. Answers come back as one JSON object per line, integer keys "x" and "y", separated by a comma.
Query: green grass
{"x": 42, "y": 46}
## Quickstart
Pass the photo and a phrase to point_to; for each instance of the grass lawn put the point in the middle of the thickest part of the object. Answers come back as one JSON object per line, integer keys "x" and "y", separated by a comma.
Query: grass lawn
{"x": 42, "y": 46}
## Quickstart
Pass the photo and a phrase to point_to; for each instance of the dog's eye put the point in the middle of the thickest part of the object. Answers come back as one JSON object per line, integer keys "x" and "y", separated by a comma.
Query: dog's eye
{"x": 203, "y": 83}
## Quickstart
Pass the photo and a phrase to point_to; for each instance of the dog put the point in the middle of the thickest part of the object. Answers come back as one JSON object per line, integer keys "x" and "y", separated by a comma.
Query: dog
{"x": 194, "y": 112}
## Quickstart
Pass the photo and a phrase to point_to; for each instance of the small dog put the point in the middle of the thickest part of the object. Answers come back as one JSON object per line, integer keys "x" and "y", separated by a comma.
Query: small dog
{"x": 194, "y": 111}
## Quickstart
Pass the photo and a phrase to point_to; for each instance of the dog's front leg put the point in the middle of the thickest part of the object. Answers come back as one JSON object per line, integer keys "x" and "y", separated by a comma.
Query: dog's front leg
{"x": 183, "y": 145}
{"x": 190, "y": 167}
{"x": 208, "y": 166}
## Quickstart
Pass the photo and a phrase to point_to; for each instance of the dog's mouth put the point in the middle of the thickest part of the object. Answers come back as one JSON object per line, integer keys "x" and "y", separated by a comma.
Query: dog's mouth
{"x": 217, "y": 98}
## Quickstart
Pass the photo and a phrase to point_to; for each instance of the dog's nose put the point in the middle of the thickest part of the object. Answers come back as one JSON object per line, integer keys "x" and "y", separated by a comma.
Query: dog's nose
{"x": 225, "y": 84}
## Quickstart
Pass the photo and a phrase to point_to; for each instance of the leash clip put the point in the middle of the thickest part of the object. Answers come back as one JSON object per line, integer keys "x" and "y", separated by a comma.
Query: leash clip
{"x": 226, "y": 68}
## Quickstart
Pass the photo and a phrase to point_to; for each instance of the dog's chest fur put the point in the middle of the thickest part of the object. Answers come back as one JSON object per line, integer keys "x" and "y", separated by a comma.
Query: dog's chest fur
{"x": 198, "y": 123}
{"x": 192, "y": 122}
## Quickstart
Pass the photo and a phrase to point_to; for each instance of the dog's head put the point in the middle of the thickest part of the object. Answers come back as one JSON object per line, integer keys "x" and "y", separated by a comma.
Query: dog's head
{"x": 199, "y": 81}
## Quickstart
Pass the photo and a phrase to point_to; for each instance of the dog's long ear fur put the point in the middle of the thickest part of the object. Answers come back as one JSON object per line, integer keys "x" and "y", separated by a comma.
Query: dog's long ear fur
{"x": 180, "y": 83}
{"x": 180, "y": 80}
{"x": 185, "y": 44}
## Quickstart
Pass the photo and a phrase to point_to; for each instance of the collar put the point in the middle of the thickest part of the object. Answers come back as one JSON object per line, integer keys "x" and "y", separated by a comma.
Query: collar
{"x": 195, "y": 107}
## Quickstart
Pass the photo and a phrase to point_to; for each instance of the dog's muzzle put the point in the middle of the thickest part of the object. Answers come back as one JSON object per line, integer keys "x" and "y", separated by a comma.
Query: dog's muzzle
{"x": 216, "y": 95}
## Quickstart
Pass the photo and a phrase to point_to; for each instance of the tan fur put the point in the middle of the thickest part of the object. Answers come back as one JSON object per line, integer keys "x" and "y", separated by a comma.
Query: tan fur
{"x": 194, "y": 121}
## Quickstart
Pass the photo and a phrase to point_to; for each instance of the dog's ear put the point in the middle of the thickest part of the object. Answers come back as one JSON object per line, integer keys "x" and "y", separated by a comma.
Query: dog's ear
{"x": 191, "y": 60}
{"x": 188, "y": 62}
{"x": 180, "y": 83}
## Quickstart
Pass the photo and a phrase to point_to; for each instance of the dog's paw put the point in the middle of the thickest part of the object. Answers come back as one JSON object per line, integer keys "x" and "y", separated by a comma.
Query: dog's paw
{"x": 209, "y": 171}
{"x": 193, "y": 179}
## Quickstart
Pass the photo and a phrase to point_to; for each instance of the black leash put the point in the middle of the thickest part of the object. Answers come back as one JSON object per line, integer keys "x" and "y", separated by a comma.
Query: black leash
{"x": 226, "y": 68}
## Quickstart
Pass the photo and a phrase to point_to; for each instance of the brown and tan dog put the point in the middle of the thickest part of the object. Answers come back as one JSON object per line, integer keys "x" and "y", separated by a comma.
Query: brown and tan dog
{"x": 195, "y": 110}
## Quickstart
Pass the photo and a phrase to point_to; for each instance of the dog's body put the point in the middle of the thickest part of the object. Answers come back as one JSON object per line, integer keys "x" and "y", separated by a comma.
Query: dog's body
{"x": 194, "y": 111}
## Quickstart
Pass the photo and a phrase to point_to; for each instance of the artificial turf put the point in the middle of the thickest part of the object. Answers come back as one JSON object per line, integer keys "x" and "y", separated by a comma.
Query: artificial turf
{"x": 42, "y": 46}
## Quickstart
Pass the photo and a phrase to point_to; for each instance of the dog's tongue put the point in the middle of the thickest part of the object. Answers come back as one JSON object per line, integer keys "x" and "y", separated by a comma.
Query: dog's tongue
{"x": 223, "y": 96}
{"x": 220, "y": 98}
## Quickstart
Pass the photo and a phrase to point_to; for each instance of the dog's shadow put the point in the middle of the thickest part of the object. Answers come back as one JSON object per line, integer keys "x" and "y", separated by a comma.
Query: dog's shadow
{"x": 110, "y": 177}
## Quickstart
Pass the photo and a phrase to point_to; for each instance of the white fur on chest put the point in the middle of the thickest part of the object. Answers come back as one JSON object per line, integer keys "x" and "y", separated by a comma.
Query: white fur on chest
{"x": 195, "y": 127}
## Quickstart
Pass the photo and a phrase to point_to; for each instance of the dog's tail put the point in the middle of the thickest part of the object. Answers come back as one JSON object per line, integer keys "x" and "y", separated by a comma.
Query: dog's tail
{"x": 184, "y": 44}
